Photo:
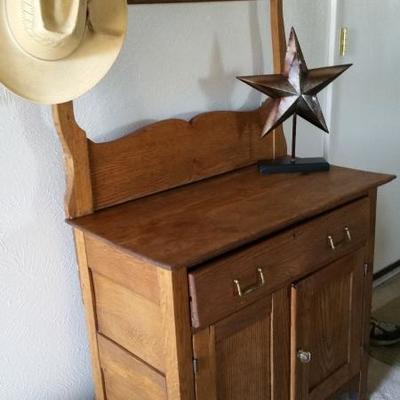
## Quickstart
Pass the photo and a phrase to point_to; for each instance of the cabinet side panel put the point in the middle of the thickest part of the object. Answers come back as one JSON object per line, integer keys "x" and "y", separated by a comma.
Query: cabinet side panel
{"x": 124, "y": 269}
{"x": 177, "y": 335}
{"x": 130, "y": 320}
{"x": 127, "y": 378}
{"x": 90, "y": 310}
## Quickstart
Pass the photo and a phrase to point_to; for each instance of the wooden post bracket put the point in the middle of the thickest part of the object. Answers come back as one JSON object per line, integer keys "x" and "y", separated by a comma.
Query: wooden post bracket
{"x": 79, "y": 198}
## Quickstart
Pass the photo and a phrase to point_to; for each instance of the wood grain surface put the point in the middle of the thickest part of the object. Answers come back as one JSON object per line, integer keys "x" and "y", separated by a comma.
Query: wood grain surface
{"x": 158, "y": 157}
{"x": 278, "y": 35}
{"x": 177, "y": 334}
{"x": 118, "y": 266}
{"x": 280, "y": 345}
{"x": 279, "y": 53}
{"x": 86, "y": 281}
{"x": 78, "y": 195}
{"x": 245, "y": 374}
{"x": 189, "y": 225}
{"x": 206, "y": 371}
{"x": 126, "y": 377}
{"x": 130, "y": 320}
{"x": 234, "y": 356}
{"x": 172, "y": 153}
{"x": 327, "y": 311}
{"x": 284, "y": 258}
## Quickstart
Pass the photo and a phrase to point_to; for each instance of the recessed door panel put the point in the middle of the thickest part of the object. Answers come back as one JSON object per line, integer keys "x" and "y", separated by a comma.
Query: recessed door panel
{"x": 326, "y": 328}
{"x": 236, "y": 359}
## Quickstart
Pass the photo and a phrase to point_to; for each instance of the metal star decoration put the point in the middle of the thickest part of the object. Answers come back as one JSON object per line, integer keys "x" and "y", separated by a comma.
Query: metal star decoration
{"x": 294, "y": 92}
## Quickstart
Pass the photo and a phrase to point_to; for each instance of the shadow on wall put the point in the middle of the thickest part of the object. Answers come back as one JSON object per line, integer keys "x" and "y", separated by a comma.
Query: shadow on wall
{"x": 189, "y": 69}
{"x": 220, "y": 84}
{"x": 115, "y": 134}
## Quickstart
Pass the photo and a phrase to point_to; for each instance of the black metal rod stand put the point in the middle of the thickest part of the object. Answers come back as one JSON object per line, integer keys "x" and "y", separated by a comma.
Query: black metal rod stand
{"x": 294, "y": 134}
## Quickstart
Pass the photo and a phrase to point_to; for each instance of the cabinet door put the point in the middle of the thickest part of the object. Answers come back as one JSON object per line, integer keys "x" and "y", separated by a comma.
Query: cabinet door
{"x": 327, "y": 328}
{"x": 234, "y": 357}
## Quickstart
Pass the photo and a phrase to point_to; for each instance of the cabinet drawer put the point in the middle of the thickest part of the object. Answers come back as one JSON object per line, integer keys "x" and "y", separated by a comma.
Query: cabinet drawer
{"x": 230, "y": 283}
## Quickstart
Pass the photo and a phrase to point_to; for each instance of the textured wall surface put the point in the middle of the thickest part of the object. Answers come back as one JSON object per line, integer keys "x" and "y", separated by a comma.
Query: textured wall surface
{"x": 366, "y": 117}
{"x": 178, "y": 60}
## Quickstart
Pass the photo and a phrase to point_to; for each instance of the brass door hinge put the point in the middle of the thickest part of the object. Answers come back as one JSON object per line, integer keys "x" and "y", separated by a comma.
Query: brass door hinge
{"x": 366, "y": 269}
{"x": 343, "y": 41}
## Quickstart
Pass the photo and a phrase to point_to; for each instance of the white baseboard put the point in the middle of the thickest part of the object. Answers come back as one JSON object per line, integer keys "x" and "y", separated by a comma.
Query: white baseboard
{"x": 383, "y": 279}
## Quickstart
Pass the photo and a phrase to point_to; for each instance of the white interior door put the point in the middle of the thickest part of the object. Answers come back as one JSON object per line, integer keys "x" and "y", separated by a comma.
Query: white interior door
{"x": 365, "y": 121}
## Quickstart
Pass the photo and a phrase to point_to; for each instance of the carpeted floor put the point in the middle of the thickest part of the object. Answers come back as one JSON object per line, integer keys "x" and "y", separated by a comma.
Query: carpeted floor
{"x": 384, "y": 370}
{"x": 384, "y": 381}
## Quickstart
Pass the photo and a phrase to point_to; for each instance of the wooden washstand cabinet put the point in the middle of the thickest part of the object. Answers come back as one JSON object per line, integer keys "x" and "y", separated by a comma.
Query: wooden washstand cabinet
{"x": 234, "y": 287}
{"x": 202, "y": 279}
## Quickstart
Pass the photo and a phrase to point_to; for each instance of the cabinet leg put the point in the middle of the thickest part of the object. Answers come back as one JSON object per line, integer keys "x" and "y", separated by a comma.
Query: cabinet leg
{"x": 363, "y": 386}
{"x": 178, "y": 337}
{"x": 368, "y": 284}
{"x": 89, "y": 301}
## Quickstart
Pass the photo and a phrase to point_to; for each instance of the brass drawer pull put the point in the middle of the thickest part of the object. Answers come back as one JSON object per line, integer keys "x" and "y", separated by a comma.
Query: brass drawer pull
{"x": 334, "y": 245}
{"x": 246, "y": 292}
{"x": 304, "y": 356}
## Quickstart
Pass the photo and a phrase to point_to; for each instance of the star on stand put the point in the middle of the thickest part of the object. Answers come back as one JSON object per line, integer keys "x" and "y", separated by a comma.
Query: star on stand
{"x": 294, "y": 92}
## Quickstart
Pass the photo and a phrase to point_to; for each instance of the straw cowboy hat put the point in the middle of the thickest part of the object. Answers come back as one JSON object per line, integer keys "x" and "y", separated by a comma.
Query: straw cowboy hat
{"x": 53, "y": 51}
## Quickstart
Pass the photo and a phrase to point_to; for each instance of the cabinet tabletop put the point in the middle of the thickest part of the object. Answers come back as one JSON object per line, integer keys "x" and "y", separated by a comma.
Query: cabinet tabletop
{"x": 186, "y": 226}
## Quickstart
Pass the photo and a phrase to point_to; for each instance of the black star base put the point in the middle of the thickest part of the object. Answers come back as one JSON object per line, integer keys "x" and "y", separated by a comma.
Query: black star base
{"x": 288, "y": 165}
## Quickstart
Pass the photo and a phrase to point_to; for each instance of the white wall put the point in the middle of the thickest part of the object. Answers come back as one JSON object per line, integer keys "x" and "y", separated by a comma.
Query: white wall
{"x": 366, "y": 109}
{"x": 178, "y": 60}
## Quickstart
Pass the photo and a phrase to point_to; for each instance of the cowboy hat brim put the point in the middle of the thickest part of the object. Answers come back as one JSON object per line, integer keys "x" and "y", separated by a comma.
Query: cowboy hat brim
{"x": 54, "y": 82}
